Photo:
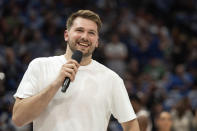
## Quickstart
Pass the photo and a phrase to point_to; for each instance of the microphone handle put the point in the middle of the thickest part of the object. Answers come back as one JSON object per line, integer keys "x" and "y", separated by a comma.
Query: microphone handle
{"x": 66, "y": 84}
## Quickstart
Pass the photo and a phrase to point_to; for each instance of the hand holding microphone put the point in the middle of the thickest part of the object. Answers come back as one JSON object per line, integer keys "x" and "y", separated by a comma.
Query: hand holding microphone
{"x": 77, "y": 55}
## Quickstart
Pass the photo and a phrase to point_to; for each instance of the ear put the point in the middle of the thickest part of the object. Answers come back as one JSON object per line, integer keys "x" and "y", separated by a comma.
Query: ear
{"x": 97, "y": 43}
{"x": 66, "y": 35}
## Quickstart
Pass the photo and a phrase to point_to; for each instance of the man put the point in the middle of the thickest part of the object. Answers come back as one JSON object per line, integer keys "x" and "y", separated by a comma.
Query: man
{"x": 164, "y": 121}
{"x": 95, "y": 92}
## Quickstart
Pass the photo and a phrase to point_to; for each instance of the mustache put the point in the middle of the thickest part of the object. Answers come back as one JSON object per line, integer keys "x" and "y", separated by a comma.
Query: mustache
{"x": 83, "y": 41}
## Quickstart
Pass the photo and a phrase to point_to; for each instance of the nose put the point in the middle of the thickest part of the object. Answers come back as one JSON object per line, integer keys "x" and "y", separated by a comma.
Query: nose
{"x": 84, "y": 36}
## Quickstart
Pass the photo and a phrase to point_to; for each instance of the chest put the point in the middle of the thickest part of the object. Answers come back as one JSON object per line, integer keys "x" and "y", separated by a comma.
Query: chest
{"x": 89, "y": 89}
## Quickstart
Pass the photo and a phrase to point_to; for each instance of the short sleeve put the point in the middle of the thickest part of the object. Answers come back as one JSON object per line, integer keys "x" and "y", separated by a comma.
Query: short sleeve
{"x": 29, "y": 83}
{"x": 121, "y": 106}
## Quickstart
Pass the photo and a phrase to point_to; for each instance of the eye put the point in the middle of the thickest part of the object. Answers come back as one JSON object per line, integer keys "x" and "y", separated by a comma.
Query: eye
{"x": 79, "y": 30}
{"x": 92, "y": 33}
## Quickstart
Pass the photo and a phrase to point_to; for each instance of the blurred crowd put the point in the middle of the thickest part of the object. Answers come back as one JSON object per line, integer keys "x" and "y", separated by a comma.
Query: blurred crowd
{"x": 151, "y": 44}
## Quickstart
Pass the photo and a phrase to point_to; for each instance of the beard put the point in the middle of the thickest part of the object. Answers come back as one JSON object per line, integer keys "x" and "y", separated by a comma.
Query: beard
{"x": 73, "y": 45}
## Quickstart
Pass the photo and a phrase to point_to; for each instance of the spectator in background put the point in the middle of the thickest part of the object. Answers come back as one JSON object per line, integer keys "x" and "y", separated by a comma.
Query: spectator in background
{"x": 131, "y": 76}
{"x": 179, "y": 51}
{"x": 155, "y": 68}
{"x": 192, "y": 46}
{"x": 180, "y": 80}
{"x": 142, "y": 113}
{"x": 2, "y": 51}
{"x": 116, "y": 53}
{"x": 182, "y": 116}
{"x": 194, "y": 122}
{"x": 141, "y": 49}
{"x": 164, "y": 121}
{"x": 2, "y": 87}
{"x": 133, "y": 68}
{"x": 192, "y": 96}
{"x": 38, "y": 46}
{"x": 143, "y": 121}
{"x": 12, "y": 69}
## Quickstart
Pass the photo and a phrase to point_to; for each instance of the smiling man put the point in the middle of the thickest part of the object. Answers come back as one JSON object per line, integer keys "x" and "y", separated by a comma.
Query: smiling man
{"x": 95, "y": 92}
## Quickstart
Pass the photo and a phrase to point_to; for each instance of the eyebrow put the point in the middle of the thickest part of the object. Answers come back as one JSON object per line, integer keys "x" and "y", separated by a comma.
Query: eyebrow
{"x": 88, "y": 31}
{"x": 93, "y": 31}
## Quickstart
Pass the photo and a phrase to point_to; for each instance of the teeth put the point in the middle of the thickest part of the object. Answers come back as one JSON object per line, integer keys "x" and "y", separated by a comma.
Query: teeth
{"x": 83, "y": 44}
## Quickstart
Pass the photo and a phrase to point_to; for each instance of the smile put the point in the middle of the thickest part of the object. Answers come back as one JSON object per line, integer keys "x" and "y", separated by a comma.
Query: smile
{"x": 83, "y": 44}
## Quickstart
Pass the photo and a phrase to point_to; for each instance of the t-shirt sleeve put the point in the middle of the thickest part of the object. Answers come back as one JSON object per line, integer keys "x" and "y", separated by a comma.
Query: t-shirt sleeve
{"x": 121, "y": 106}
{"x": 29, "y": 83}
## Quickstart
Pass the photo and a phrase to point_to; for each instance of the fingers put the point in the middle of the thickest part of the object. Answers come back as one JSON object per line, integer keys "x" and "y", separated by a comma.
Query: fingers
{"x": 70, "y": 66}
{"x": 70, "y": 69}
{"x": 73, "y": 62}
{"x": 69, "y": 76}
{"x": 69, "y": 72}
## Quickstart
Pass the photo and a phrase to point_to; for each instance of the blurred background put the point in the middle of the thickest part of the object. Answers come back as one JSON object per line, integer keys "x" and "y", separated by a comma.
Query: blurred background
{"x": 151, "y": 44}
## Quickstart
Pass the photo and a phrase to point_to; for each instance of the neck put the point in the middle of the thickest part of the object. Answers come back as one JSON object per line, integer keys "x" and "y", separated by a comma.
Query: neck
{"x": 164, "y": 129}
{"x": 85, "y": 60}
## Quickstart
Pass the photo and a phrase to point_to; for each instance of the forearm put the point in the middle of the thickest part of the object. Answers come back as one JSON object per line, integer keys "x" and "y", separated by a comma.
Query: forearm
{"x": 131, "y": 125}
{"x": 26, "y": 110}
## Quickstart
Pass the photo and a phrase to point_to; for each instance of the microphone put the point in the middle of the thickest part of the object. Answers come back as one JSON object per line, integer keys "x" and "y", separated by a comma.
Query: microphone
{"x": 77, "y": 55}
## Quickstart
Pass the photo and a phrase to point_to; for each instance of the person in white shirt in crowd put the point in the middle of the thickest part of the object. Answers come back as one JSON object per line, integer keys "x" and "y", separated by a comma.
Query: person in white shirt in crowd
{"x": 116, "y": 54}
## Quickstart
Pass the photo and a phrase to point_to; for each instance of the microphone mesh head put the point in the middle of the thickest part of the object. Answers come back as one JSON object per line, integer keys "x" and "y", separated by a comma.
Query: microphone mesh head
{"x": 77, "y": 55}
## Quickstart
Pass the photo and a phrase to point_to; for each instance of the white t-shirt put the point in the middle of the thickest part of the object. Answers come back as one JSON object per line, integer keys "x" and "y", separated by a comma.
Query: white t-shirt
{"x": 95, "y": 94}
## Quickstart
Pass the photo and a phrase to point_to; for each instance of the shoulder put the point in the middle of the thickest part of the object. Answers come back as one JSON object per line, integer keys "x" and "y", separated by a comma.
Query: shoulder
{"x": 105, "y": 70}
{"x": 44, "y": 60}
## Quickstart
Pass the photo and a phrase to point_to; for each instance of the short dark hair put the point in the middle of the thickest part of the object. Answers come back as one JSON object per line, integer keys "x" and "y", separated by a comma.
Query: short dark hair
{"x": 87, "y": 14}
